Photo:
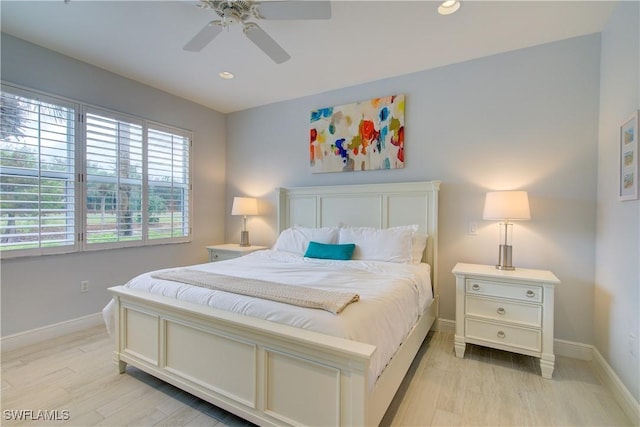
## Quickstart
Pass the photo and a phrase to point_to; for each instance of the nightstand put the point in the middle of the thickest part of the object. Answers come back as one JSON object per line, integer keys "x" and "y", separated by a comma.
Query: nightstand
{"x": 507, "y": 310}
{"x": 230, "y": 251}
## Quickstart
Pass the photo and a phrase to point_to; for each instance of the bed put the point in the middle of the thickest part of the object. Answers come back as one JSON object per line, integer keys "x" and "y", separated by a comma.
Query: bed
{"x": 272, "y": 373}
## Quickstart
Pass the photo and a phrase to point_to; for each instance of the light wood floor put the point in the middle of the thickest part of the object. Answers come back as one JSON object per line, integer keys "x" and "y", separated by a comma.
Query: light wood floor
{"x": 487, "y": 388}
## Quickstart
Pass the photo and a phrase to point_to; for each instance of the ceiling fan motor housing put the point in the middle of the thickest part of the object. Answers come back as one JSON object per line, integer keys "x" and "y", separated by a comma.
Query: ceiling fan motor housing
{"x": 231, "y": 11}
{"x": 234, "y": 12}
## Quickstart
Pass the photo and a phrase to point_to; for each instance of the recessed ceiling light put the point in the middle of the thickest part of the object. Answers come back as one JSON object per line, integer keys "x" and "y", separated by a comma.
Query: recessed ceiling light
{"x": 448, "y": 7}
{"x": 226, "y": 75}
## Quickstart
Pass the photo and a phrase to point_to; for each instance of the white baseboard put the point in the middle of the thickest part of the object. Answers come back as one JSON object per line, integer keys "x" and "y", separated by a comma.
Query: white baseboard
{"x": 445, "y": 325}
{"x": 33, "y": 336}
{"x": 574, "y": 350}
{"x": 620, "y": 392}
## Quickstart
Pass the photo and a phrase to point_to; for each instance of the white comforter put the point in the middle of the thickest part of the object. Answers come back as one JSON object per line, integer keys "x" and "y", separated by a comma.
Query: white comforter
{"x": 392, "y": 296}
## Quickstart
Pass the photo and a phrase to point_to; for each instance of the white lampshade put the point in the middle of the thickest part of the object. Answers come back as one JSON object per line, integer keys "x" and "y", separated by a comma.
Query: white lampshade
{"x": 244, "y": 206}
{"x": 506, "y": 205}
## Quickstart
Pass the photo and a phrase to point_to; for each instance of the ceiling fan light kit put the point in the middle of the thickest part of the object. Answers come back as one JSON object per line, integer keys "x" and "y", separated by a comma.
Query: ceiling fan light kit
{"x": 239, "y": 12}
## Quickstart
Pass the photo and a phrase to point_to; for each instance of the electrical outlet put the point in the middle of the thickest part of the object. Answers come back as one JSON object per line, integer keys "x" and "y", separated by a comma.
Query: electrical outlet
{"x": 84, "y": 286}
{"x": 633, "y": 345}
{"x": 473, "y": 229}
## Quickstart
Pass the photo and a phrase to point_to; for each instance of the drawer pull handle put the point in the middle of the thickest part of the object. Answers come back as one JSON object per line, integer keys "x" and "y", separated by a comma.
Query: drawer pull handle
{"x": 476, "y": 287}
{"x": 501, "y": 310}
{"x": 501, "y": 334}
{"x": 215, "y": 256}
{"x": 530, "y": 293}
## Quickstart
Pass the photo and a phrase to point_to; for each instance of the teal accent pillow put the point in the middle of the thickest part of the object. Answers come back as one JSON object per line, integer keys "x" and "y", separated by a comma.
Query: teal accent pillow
{"x": 329, "y": 251}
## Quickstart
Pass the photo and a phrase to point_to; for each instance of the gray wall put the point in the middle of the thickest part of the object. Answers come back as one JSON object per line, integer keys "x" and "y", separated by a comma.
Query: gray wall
{"x": 38, "y": 291}
{"x": 617, "y": 279}
{"x": 526, "y": 119}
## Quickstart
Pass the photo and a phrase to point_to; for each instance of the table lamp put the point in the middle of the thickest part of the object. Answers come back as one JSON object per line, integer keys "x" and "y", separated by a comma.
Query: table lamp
{"x": 506, "y": 206}
{"x": 244, "y": 206}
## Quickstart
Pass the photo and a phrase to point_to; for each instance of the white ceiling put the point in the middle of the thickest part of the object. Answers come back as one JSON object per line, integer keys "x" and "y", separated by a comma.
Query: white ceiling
{"x": 363, "y": 41}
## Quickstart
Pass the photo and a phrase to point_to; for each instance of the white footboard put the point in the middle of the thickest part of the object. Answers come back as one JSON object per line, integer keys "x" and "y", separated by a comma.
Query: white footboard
{"x": 267, "y": 373}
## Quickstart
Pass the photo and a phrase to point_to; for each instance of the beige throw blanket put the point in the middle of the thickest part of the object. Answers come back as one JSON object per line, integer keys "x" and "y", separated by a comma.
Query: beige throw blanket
{"x": 333, "y": 302}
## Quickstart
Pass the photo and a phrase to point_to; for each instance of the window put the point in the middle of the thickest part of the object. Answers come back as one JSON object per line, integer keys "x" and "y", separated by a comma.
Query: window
{"x": 168, "y": 183}
{"x": 113, "y": 180}
{"x": 76, "y": 177}
{"x": 37, "y": 175}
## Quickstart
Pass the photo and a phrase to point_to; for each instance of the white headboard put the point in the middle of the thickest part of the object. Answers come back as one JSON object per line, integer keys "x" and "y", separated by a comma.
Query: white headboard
{"x": 372, "y": 205}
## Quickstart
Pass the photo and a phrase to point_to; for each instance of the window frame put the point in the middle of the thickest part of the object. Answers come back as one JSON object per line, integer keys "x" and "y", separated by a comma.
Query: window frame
{"x": 113, "y": 115}
{"x": 80, "y": 164}
{"x": 177, "y": 132}
{"x": 67, "y": 103}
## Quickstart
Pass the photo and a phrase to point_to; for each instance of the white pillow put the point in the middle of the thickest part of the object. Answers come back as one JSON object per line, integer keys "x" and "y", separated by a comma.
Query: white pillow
{"x": 321, "y": 235}
{"x": 418, "y": 242}
{"x": 388, "y": 244}
{"x": 418, "y": 245}
{"x": 296, "y": 239}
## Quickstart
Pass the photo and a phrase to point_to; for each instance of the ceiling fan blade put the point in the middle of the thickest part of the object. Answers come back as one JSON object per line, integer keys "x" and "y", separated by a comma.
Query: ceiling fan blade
{"x": 265, "y": 43}
{"x": 295, "y": 9}
{"x": 204, "y": 37}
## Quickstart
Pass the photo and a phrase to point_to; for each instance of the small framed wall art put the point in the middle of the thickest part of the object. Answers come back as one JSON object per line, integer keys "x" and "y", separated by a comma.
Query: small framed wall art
{"x": 367, "y": 135}
{"x": 628, "y": 160}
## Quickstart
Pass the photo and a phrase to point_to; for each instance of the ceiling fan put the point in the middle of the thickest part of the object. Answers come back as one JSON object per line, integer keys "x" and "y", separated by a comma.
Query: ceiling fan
{"x": 233, "y": 12}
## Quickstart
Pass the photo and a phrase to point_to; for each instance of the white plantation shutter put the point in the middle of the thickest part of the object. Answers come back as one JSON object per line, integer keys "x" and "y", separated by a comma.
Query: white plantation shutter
{"x": 75, "y": 177}
{"x": 37, "y": 174}
{"x": 113, "y": 180}
{"x": 168, "y": 180}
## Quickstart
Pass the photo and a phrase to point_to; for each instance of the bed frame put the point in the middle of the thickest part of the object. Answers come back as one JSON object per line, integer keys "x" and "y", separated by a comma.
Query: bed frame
{"x": 272, "y": 374}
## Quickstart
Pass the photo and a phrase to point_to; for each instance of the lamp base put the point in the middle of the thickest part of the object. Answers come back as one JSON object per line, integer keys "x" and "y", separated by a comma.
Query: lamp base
{"x": 244, "y": 238}
{"x": 504, "y": 258}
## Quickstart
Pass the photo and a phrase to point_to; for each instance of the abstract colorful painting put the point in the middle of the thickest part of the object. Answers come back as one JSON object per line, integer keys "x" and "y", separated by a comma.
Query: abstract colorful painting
{"x": 366, "y": 135}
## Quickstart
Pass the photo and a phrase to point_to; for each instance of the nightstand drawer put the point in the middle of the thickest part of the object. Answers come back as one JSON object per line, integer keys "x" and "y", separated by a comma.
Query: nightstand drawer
{"x": 503, "y": 290}
{"x": 513, "y": 336}
{"x": 230, "y": 251}
{"x": 222, "y": 256}
{"x": 507, "y": 311}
